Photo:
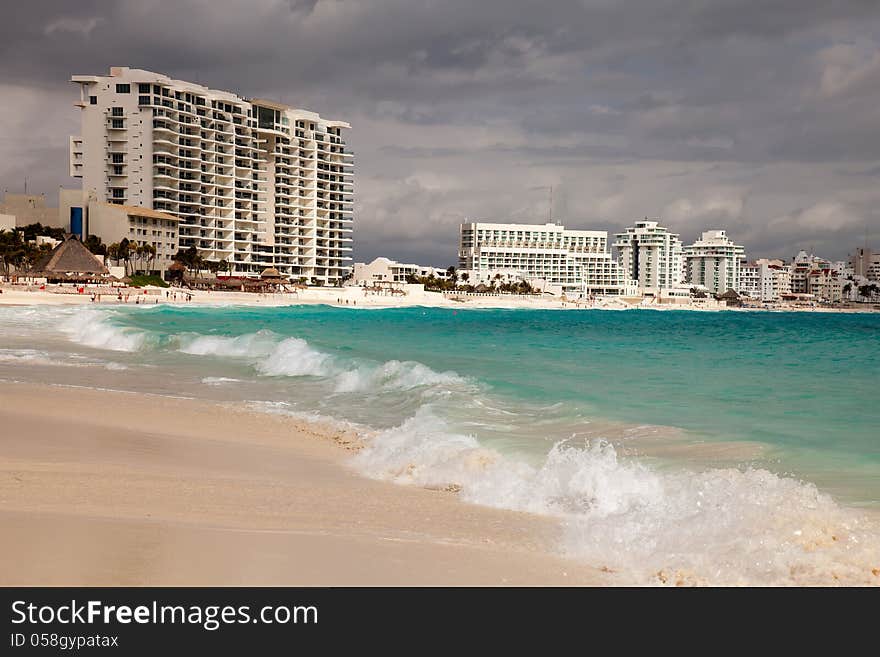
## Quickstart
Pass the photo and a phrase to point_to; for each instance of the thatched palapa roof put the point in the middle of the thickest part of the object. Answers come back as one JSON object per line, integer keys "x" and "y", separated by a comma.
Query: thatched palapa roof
{"x": 270, "y": 273}
{"x": 70, "y": 260}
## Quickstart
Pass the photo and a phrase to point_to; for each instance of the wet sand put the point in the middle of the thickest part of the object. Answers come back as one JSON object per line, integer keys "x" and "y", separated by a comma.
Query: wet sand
{"x": 111, "y": 488}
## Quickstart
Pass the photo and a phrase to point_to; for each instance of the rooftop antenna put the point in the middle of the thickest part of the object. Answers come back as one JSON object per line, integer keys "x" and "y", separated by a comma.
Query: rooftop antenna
{"x": 25, "y": 186}
{"x": 550, "y": 212}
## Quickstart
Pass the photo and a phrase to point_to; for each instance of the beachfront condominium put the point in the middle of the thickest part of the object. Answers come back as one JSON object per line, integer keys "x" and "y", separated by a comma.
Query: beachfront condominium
{"x": 577, "y": 261}
{"x": 802, "y": 266}
{"x": 253, "y": 182}
{"x": 651, "y": 255}
{"x": 764, "y": 279}
{"x": 713, "y": 262}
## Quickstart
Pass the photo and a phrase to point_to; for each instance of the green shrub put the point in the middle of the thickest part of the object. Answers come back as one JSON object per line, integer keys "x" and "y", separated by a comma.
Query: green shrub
{"x": 140, "y": 280}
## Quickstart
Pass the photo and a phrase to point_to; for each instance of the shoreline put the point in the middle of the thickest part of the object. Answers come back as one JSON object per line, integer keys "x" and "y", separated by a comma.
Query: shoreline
{"x": 227, "y": 477}
{"x": 356, "y": 297}
{"x": 189, "y": 492}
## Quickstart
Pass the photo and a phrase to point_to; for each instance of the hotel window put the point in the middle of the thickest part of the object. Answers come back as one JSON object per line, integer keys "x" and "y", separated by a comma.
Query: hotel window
{"x": 93, "y": 100}
{"x": 118, "y": 111}
{"x": 123, "y": 88}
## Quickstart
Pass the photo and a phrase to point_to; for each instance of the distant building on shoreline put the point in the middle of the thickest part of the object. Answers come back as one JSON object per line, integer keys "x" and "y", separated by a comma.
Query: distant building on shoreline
{"x": 865, "y": 262}
{"x": 27, "y": 209}
{"x": 385, "y": 270}
{"x": 801, "y": 267}
{"x": 576, "y": 261}
{"x": 764, "y": 280}
{"x": 650, "y": 255}
{"x": 713, "y": 262}
{"x": 253, "y": 182}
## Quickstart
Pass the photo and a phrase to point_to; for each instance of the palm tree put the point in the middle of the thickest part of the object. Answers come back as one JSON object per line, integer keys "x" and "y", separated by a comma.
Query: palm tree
{"x": 113, "y": 252}
{"x": 125, "y": 250}
{"x": 147, "y": 251}
{"x": 12, "y": 249}
{"x": 867, "y": 291}
{"x": 191, "y": 259}
{"x": 93, "y": 243}
{"x": 136, "y": 254}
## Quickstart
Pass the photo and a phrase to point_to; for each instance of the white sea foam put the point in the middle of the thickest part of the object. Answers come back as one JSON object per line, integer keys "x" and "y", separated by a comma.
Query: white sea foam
{"x": 251, "y": 345}
{"x": 218, "y": 380}
{"x": 393, "y": 375}
{"x": 93, "y": 328}
{"x": 723, "y": 526}
{"x": 51, "y": 359}
{"x": 269, "y": 354}
{"x": 29, "y": 356}
{"x": 294, "y": 357}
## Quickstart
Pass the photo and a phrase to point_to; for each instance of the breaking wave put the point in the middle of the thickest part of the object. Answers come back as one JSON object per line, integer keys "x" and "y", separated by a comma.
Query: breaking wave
{"x": 271, "y": 355}
{"x": 294, "y": 357}
{"x": 256, "y": 344}
{"x": 720, "y": 526}
{"x": 93, "y": 328}
{"x": 394, "y": 374}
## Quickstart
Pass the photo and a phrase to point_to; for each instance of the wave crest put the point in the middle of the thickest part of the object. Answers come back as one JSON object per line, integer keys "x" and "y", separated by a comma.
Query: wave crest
{"x": 721, "y": 526}
{"x": 93, "y": 328}
{"x": 393, "y": 375}
{"x": 250, "y": 345}
{"x": 294, "y": 357}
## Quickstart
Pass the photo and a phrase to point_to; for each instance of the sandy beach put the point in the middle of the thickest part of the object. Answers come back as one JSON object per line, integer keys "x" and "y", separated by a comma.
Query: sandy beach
{"x": 347, "y": 296}
{"x": 357, "y": 297}
{"x": 111, "y": 488}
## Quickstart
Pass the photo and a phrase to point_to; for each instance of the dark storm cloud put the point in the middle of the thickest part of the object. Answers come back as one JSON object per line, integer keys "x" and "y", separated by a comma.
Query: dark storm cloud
{"x": 755, "y": 115}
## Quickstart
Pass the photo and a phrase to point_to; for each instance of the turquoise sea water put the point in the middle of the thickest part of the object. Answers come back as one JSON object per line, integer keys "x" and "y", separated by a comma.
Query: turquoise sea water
{"x": 624, "y": 421}
{"x": 799, "y": 382}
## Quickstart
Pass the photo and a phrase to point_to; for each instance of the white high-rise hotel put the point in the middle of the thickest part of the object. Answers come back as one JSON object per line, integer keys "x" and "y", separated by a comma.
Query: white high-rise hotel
{"x": 650, "y": 255}
{"x": 254, "y": 182}
{"x": 575, "y": 260}
{"x": 713, "y": 261}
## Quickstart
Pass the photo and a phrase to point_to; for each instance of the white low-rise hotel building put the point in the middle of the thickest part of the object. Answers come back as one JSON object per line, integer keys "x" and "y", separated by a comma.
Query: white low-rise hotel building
{"x": 114, "y": 222}
{"x": 713, "y": 262}
{"x": 764, "y": 280}
{"x": 650, "y": 255}
{"x": 253, "y": 182}
{"x": 385, "y": 270}
{"x": 577, "y": 261}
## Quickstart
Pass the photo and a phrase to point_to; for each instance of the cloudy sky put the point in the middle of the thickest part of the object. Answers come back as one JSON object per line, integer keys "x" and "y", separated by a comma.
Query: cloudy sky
{"x": 758, "y": 116}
